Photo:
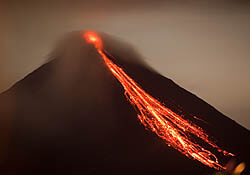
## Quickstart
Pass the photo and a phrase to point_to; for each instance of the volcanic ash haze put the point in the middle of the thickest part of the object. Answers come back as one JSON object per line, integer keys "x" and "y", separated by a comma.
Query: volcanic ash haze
{"x": 70, "y": 116}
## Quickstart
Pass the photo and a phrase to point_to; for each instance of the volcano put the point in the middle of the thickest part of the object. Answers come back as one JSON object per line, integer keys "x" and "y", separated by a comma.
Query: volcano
{"x": 70, "y": 116}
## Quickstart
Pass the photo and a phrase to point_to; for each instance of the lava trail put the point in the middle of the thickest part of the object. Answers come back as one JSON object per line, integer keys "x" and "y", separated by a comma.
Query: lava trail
{"x": 169, "y": 126}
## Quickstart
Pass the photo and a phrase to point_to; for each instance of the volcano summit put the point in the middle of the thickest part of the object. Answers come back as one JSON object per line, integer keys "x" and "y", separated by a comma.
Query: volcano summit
{"x": 70, "y": 116}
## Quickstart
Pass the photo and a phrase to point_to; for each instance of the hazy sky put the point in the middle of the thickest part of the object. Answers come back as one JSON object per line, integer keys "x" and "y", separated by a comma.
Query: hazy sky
{"x": 203, "y": 47}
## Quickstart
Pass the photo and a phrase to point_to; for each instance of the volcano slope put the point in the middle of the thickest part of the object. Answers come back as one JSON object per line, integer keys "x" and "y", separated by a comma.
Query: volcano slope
{"x": 70, "y": 116}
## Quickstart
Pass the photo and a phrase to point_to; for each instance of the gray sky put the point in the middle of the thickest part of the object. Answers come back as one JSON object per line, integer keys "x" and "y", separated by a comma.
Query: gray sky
{"x": 203, "y": 47}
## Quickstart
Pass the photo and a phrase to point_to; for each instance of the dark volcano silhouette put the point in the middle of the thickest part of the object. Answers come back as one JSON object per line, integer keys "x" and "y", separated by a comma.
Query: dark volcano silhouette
{"x": 70, "y": 116}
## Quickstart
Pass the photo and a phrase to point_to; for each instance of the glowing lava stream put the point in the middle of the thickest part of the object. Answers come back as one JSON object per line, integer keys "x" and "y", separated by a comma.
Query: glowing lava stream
{"x": 169, "y": 126}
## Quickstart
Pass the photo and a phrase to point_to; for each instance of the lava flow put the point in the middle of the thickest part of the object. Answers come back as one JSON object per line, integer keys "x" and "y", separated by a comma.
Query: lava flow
{"x": 169, "y": 126}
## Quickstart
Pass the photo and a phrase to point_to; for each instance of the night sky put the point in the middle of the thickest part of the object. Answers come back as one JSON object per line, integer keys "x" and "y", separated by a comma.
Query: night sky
{"x": 203, "y": 47}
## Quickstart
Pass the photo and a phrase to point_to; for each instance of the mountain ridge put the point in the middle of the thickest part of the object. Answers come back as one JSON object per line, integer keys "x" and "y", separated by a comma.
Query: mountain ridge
{"x": 78, "y": 120}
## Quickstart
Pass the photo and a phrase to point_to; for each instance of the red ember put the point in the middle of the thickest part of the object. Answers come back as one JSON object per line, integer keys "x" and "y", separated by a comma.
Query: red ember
{"x": 169, "y": 126}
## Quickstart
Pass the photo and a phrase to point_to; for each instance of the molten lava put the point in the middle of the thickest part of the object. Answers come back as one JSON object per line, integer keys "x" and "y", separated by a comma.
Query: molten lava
{"x": 169, "y": 126}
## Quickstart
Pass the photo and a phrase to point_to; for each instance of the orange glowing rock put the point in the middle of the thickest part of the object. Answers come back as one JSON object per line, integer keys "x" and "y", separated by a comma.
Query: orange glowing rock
{"x": 169, "y": 126}
{"x": 93, "y": 38}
